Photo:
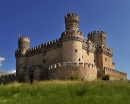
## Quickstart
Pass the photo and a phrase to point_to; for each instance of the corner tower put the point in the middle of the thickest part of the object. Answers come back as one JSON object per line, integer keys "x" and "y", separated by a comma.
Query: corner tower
{"x": 72, "y": 39}
{"x": 21, "y": 57}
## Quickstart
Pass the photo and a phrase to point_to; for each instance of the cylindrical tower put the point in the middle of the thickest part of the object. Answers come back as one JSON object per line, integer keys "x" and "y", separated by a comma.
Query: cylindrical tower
{"x": 23, "y": 43}
{"x": 71, "y": 22}
{"x": 72, "y": 40}
{"x": 21, "y": 57}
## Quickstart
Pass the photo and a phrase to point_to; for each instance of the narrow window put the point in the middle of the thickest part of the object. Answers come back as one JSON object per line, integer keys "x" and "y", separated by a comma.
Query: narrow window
{"x": 68, "y": 28}
{"x": 106, "y": 59}
{"x": 44, "y": 61}
{"x": 94, "y": 60}
{"x": 82, "y": 56}
{"x": 79, "y": 59}
{"x": 75, "y": 50}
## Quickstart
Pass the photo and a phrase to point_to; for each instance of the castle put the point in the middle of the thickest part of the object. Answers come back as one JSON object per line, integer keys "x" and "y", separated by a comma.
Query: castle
{"x": 69, "y": 56}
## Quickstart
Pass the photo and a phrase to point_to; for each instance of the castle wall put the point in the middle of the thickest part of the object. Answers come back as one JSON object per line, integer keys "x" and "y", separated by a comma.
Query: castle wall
{"x": 34, "y": 73}
{"x": 46, "y": 58}
{"x": 36, "y": 59}
{"x": 89, "y": 57}
{"x": 65, "y": 71}
{"x": 9, "y": 78}
{"x": 52, "y": 56}
{"x": 114, "y": 74}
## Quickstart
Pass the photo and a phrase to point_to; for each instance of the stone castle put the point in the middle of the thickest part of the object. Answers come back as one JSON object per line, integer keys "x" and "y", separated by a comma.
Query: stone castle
{"x": 67, "y": 57}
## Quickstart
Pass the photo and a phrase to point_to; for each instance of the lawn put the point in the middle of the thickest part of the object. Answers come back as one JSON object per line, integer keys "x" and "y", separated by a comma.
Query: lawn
{"x": 66, "y": 92}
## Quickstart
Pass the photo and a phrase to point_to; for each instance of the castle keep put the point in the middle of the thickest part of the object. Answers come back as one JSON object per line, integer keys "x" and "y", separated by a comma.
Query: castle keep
{"x": 69, "y": 56}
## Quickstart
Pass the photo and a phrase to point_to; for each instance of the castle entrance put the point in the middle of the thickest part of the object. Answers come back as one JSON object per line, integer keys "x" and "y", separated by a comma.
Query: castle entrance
{"x": 32, "y": 78}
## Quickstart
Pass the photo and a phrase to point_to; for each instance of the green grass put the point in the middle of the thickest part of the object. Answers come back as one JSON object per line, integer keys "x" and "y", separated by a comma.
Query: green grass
{"x": 66, "y": 92}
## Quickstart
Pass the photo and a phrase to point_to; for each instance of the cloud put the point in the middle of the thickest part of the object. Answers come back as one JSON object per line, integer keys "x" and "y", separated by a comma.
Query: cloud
{"x": 1, "y": 59}
{"x": 12, "y": 71}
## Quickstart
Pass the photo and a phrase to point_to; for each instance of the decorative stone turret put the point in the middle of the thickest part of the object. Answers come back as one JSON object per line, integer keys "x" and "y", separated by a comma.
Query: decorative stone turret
{"x": 71, "y": 22}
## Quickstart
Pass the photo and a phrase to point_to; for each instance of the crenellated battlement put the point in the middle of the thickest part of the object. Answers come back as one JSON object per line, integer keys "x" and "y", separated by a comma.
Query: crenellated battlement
{"x": 73, "y": 65}
{"x": 51, "y": 42}
{"x": 9, "y": 75}
{"x": 34, "y": 48}
{"x": 23, "y": 39}
{"x": 20, "y": 52}
{"x": 72, "y": 35}
{"x": 105, "y": 49}
{"x": 112, "y": 71}
{"x": 71, "y": 17}
{"x": 46, "y": 46}
{"x": 96, "y": 32}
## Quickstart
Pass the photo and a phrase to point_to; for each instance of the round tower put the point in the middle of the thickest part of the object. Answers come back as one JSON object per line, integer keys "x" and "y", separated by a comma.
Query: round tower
{"x": 72, "y": 40}
{"x": 23, "y": 43}
{"x": 97, "y": 37}
{"x": 71, "y": 22}
{"x": 21, "y": 57}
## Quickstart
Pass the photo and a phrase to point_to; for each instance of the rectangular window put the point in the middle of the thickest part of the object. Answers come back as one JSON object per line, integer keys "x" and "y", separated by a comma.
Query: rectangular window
{"x": 106, "y": 59}
{"x": 75, "y": 50}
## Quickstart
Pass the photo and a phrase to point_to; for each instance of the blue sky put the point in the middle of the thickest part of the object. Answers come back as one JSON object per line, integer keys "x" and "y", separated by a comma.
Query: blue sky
{"x": 43, "y": 21}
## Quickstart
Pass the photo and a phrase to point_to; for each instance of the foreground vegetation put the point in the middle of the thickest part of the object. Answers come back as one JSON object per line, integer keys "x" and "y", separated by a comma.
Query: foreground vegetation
{"x": 66, "y": 92}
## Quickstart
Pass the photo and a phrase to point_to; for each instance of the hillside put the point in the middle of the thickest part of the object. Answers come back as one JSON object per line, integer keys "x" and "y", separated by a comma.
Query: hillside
{"x": 66, "y": 92}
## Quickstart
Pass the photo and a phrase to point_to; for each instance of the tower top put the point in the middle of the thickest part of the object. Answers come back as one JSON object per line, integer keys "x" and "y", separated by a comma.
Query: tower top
{"x": 71, "y": 22}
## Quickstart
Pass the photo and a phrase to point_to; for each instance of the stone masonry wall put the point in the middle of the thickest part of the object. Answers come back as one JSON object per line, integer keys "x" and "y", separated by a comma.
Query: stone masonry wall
{"x": 114, "y": 74}
{"x": 65, "y": 71}
{"x": 9, "y": 78}
{"x": 89, "y": 57}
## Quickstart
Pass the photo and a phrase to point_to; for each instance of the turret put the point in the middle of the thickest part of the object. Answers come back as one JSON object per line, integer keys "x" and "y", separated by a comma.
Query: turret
{"x": 97, "y": 37}
{"x": 71, "y": 39}
{"x": 21, "y": 57}
{"x": 71, "y": 22}
{"x": 23, "y": 43}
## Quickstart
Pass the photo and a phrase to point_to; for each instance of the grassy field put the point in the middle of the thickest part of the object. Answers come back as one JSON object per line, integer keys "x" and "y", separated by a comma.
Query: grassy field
{"x": 66, "y": 92}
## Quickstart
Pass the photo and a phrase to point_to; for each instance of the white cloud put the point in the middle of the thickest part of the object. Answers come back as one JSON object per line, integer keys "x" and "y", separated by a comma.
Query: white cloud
{"x": 1, "y": 59}
{"x": 12, "y": 71}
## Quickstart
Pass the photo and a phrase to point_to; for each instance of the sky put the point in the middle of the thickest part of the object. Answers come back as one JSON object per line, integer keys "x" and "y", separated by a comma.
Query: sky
{"x": 43, "y": 21}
